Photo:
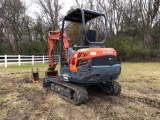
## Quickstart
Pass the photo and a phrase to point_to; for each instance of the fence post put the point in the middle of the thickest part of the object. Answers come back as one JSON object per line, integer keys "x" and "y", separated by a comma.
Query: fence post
{"x": 5, "y": 61}
{"x": 32, "y": 59}
{"x": 19, "y": 60}
{"x": 59, "y": 58}
{"x": 43, "y": 59}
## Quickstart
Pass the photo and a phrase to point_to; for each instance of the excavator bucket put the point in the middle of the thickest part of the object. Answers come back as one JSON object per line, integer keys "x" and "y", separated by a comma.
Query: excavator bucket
{"x": 35, "y": 76}
{"x": 51, "y": 73}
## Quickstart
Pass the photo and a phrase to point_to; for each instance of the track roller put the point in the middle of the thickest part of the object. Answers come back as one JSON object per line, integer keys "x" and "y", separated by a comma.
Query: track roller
{"x": 70, "y": 92}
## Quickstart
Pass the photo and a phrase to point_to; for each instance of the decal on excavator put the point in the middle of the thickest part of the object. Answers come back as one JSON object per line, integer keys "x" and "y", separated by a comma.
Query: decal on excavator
{"x": 92, "y": 53}
{"x": 65, "y": 76}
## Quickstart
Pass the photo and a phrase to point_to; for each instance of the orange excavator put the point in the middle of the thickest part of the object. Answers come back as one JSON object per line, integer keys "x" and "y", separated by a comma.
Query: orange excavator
{"x": 87, "y": 65}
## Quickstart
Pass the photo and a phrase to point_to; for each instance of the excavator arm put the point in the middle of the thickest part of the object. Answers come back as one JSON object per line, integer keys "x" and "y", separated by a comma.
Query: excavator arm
{"x": 53, "y": 36}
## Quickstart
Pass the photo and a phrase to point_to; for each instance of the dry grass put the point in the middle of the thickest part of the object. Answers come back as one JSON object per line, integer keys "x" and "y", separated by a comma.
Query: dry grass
{"x": 140, "y": 97}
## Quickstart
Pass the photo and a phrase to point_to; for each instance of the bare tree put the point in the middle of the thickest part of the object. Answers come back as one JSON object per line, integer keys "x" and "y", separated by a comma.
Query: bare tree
{"x": 78, "y": 4}
{"x": 51, "y": 10}
{"x": 12, "y": 20}
{"x": 149, "y": 10}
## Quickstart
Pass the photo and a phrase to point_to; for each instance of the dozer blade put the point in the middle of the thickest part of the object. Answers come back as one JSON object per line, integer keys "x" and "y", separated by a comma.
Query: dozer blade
{"x": 51, "y": 73}
{"x": 35, "y": 76}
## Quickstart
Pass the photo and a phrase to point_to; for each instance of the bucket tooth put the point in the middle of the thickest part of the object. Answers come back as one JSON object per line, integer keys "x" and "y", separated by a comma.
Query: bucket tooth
{"x": 35, "y": 76}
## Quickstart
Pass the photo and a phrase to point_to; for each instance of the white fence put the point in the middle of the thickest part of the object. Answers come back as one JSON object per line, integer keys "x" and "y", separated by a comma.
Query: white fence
{"x": 19, "y": 59}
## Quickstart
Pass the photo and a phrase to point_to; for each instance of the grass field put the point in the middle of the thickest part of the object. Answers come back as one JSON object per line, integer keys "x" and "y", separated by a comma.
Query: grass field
{"x": 140, "y": 97}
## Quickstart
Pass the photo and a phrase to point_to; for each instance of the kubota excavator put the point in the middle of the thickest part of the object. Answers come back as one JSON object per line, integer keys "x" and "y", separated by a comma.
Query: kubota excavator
{"x": 88, "y": 64}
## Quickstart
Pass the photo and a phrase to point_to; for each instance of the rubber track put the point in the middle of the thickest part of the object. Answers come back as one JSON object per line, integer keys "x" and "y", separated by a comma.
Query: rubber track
{"x": 81, "y": 92}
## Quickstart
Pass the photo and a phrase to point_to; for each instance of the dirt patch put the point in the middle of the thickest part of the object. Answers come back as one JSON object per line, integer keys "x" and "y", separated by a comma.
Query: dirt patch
{"x": 25, "y": 100}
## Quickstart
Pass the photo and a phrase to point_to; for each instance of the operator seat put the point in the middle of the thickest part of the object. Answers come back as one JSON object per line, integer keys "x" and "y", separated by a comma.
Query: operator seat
{"x": 91, "y": 35}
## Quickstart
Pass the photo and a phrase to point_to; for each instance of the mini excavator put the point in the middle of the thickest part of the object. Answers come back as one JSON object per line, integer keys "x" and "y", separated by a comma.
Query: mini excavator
{"x": 87, "y": 65}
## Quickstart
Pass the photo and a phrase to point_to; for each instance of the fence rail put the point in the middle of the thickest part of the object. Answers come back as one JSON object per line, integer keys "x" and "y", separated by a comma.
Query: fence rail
{"x": 19, "y": 59}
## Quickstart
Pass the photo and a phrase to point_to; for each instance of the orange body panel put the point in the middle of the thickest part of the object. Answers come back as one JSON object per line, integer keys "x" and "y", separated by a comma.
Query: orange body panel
{"x": 90, "y": 53}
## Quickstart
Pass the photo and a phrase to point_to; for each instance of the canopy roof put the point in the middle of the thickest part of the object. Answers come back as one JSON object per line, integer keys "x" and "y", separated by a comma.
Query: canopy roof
{"x": 76, "y": 15}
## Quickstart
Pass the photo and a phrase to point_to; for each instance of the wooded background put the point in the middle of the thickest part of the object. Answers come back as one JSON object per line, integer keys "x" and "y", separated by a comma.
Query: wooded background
{"x": 134, "y": 26}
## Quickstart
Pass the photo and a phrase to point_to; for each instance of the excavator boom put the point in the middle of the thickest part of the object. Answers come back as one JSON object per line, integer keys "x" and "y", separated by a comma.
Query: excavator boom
{"x": 53, "y": 36}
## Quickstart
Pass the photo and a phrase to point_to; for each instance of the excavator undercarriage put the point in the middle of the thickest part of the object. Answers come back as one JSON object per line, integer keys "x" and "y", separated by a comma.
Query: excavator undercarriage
{"x": 77, "y": 94}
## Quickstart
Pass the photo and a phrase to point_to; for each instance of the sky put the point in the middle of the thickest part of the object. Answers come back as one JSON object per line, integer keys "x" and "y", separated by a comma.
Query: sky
{"x": 34, "y": 8}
